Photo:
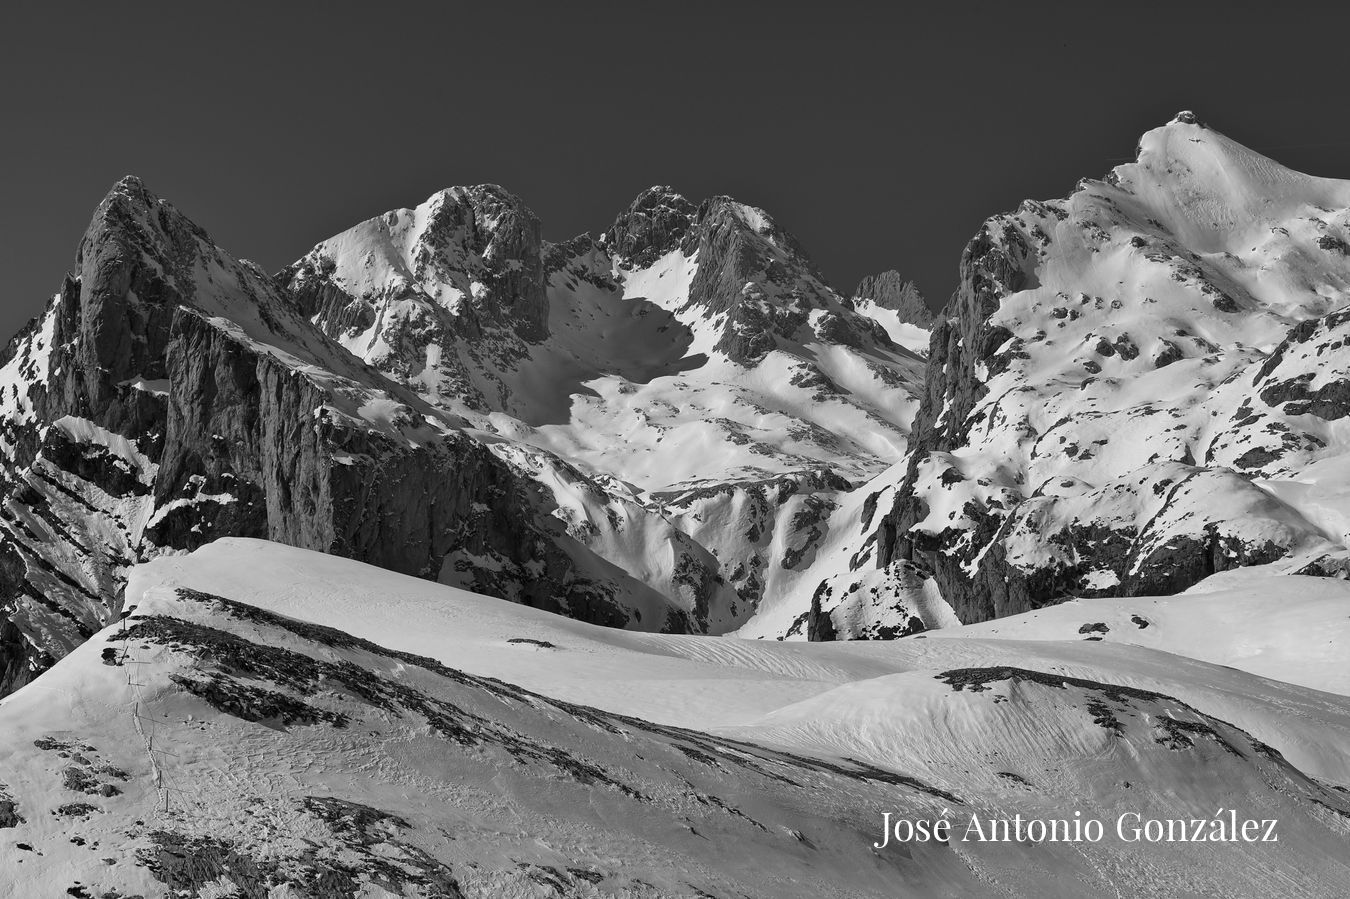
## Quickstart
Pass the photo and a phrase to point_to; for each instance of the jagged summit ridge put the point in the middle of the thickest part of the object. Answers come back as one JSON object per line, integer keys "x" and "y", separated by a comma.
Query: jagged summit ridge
{"x": 890, "y": 291}
{"x": 171, "y": 394}
{"x": 417, "y": 393}
{"x": 653, "y": 225}
{"x": 659, "y": 336}
{"x": 470, "y": 257}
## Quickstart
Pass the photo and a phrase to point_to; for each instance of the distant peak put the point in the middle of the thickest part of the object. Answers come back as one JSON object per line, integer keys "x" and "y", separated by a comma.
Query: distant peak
{"x": 662, "y": 200}
{"x": 658, "y": 192}
{"x": 130, "y": 187}
{"x": 482, "y": 195}
{"x": 129, "y": 184}
{"x": 1186, "y": 117}
{"x": 891, "y": 290}
{"x": 653, "y": 224}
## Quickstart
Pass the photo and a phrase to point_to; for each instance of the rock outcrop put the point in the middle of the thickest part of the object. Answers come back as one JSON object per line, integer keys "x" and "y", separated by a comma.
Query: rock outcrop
{"x": 381, "y": 399}
{"x": 891, "y": 291}
{"x": 645, "y": 414}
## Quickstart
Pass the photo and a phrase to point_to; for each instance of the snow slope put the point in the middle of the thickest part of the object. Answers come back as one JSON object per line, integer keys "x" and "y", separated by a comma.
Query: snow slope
{"x": 1283, "y": 627}
{"x": 398, "y": 744}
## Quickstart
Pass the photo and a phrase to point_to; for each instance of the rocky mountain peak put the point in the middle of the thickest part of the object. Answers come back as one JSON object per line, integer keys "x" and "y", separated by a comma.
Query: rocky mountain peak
{"x": 1093, "y": 403}
{"x": 141, "y": 260}
{"x": 134, "y": 225}
{"x": 890, "y": 290}
{"x": 746, "y": 272}
{"x": 722, "y": 212}
{"x": 466, "y": 260}
{"x": 489, "y": 225}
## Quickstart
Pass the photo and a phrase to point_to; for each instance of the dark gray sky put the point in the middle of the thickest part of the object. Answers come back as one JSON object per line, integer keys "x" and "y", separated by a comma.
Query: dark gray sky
{"x": 881, "y": 138}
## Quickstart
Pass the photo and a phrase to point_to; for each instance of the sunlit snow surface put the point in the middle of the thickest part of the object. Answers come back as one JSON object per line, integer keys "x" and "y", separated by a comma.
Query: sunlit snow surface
{"x": 400, "y": 750}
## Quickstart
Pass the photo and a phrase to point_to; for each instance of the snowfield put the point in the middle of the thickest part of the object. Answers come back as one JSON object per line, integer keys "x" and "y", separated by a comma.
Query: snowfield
{"x": 308, "y": 717}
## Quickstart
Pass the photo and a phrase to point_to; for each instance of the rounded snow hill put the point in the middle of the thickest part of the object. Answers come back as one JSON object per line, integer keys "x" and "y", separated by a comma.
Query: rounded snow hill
{"x": 1283, "y": 627}
{"x": 311, "y": 716}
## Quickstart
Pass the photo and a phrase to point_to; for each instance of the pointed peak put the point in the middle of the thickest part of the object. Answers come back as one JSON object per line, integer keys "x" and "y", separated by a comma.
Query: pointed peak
{"x": 661, "y": 201}
{"x": 131, "y": 212}
{"x": 887, "y": 280}
{"x": 1186, "y": 117}
{"x": 484, "y": 197}
{"x": 891, "y": 290}
{"x": 655, "y": 223}
{"x": 752, "y": 217}
{"x": 660, "y": 194}
{"x": 130, "y": 188}
{"x": 129, "y": 184}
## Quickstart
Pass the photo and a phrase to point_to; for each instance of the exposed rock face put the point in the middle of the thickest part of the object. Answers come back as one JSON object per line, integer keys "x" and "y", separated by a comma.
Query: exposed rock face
{"x": 1112, "y": 371}
{"x": 464, "y": 268}
{"x": 171, "y": 394}
{"x": 889, "y": 290}
{"x": 658, "y": 222}
{"x": 386, "y": 398}
{"x": 1276, "y": 417}
{"x": 753, "y": 277}
{"x": 471, "y": 256}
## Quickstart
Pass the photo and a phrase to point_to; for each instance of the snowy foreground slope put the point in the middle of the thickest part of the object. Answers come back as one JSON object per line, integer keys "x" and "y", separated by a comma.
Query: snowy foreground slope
{"x": 319, "y": 727}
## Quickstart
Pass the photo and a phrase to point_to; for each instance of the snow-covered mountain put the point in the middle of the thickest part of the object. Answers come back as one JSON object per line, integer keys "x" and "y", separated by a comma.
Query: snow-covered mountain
{"x": 452, "y": 562}
{"x": 1132, "y": 388}
{"x": 641, "y": 431}
{"x": 223, "y": 742}
{"x": 689, "y": 390}
{"x": 679, "y": 425}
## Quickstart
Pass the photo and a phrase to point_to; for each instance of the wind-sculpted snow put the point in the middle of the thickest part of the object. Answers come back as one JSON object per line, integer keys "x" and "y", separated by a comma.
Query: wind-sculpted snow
{"x": 224, "y": 742}
{"x": 1129, "y": 385}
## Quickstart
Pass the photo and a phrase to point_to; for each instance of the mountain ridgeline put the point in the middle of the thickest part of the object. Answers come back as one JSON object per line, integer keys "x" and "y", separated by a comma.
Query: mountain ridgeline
{"x": 678, "y": 425}
{"x": 420, "y": 392}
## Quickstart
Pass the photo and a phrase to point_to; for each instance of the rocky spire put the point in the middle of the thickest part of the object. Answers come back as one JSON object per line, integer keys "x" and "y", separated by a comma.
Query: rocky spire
{"x": 889, "y": 290}
{"x": 657, "y": 222}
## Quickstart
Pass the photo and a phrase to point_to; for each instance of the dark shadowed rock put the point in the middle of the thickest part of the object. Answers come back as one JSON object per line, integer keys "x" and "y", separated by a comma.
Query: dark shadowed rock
{"x": 175, "y": 394}
{"x": 656, "y": 223}
{"x": 890, "y": 291}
